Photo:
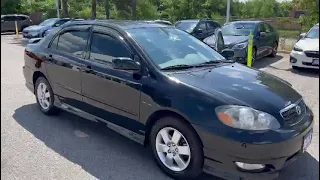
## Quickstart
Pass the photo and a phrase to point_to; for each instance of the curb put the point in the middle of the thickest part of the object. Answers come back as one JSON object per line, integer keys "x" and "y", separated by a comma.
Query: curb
{"x": 284, "y": 51}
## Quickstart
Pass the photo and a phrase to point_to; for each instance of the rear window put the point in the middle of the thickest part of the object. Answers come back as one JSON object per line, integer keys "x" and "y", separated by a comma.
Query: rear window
{"x": 21, "y": 18}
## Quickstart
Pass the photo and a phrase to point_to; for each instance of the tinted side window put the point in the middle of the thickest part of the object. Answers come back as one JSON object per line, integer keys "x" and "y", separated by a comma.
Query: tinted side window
{"x": 9, "y": 18}
{"x": 202, "y": 25}
{"x": 104, "y": 48}
{"x": 212, "y": 25}
{"x": 73, "y": 42}
{"x": 21, "y": 18}
{"x": 268, "y": 28}
{"x": 59, "y": 23}
{"x": 54, "y": 43}
{"x": 261, "y": 28}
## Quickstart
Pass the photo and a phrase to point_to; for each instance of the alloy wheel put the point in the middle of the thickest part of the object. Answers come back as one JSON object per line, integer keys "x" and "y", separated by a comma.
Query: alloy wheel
{"x": 43, "y": 96}
{"x": 173, "y": 149}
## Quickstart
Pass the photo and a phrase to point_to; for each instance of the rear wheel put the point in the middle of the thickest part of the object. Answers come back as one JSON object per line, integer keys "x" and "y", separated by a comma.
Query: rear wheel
{"x": 274, "y": 50}
{"x": 44, "y": 96}
{"x": 177, "y": 148}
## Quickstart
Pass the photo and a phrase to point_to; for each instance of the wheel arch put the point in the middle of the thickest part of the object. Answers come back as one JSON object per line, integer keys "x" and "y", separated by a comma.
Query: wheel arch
{"x": 157, "y": 115}
{"x": 35, "y": 76}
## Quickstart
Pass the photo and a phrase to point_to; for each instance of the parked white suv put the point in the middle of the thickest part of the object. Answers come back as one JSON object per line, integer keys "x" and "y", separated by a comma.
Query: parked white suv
{"x": 306, "y": 51}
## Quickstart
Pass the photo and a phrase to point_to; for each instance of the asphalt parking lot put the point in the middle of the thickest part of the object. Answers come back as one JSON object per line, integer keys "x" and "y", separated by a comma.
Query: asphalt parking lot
{"x": 35, "y": 146}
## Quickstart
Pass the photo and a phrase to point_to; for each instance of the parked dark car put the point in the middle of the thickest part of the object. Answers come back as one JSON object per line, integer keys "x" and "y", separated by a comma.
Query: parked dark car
{"x": 236, "y": 35}
{"x": 164, "y": 88}
{"x": 199, "y": 28}
{"x": 8, "y": 22}
{"x": 37, "y": 31}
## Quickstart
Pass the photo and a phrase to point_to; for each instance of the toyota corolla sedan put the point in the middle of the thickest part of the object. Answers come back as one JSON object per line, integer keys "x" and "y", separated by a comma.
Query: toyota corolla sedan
{"x": 165, "y": 89}
{"x": 305, "y": 53}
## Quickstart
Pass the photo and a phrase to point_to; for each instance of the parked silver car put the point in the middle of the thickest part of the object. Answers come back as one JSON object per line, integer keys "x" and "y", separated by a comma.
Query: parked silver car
{"x": 8, "y": 22}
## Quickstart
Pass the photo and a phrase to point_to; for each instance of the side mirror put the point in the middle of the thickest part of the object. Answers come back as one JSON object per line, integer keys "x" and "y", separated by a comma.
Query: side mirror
{"x": 228, "y": 54}
{"x": 263, "y": 34}
{"x": 125, "y": 63}
{"x": 302, "y": 35}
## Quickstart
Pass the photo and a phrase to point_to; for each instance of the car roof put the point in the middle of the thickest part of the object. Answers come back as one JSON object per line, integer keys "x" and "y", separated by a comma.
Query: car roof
{"x": 14, "y": 15}
{"x": 120, "y": 24}
{"x": 253, "y": 22}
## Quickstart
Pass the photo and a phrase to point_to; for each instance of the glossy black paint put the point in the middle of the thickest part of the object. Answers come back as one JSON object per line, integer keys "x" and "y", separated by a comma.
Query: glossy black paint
{"x": 131, "y": 101}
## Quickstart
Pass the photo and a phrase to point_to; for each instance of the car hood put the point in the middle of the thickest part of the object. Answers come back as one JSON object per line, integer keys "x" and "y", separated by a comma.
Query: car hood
{"x": 308, "y": 44}
{"x": 228, "y": 40}
{"x": 238, "y": 84}
{"x": 35, "y": 28}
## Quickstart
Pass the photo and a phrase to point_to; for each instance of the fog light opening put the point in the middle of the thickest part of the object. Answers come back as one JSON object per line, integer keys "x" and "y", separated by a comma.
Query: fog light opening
{"x": 250, "y": 167}
{"x": 293, "y": 60}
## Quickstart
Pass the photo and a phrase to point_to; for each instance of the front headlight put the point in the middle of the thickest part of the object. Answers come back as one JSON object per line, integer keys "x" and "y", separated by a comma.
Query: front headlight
{"x": 240, "y": 45}
{"x": 242, "y": 117}
{"x": 296, "y": 48}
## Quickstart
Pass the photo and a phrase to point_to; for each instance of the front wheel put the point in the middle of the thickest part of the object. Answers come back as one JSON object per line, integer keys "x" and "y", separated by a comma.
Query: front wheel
{"x": 177, "y": 148}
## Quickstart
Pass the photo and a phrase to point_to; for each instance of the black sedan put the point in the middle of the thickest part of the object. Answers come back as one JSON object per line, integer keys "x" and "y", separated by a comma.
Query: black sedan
{"x": 236, "y": 35}
{"x": 161, "y": 87}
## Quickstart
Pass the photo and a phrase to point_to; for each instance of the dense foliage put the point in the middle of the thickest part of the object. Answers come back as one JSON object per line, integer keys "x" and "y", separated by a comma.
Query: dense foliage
{"x": 169, "y": 9}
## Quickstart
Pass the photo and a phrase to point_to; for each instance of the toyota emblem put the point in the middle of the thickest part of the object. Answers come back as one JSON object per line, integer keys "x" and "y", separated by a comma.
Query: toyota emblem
{"x": 298, "y": 110}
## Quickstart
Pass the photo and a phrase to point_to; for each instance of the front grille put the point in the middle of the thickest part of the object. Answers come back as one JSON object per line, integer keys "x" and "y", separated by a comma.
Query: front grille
{"x": 312, "y": 54}
{"x": 294, "y": 113}
{"x": 309, "y": 64}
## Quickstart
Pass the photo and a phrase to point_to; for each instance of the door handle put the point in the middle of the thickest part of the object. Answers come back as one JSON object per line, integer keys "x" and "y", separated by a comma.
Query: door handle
{"x": 50, "y": 57}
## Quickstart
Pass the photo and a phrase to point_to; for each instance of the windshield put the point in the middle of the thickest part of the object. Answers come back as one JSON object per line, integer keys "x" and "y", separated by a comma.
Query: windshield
{"x": 171, "y": 47}
{"x": 186, "y": 26}
{"x": 238, "y": 29}
{"x": 313, "y": 33}
{"x": 48, "y": 22}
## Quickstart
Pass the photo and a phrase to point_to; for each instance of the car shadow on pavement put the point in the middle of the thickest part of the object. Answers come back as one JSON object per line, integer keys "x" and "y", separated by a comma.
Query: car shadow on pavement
{"x": 314, "y": 73}
{"x": 98, "y": 150}
{"x": 266, "y": 61}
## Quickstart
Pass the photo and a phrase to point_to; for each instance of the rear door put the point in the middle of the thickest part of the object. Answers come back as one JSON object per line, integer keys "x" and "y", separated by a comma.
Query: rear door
{"x": 65, "y": 59}
{"x": 261, "y": 43}
{"x": 272, "y": 37}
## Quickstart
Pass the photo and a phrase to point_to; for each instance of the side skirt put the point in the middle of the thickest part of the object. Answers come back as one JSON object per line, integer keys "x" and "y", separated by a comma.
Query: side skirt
{"x": 121, "y": 130}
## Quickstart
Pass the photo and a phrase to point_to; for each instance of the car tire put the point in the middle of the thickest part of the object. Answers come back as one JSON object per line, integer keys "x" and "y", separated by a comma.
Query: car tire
{"x": 274, "y": 50}
{"x": 45, "y": 96}
{"x": 185, "y": 155}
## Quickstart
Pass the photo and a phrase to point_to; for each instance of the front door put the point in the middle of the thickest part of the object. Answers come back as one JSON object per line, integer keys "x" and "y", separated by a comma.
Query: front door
{"x": 113, "y": 95}
{"x": 65, "y": 58}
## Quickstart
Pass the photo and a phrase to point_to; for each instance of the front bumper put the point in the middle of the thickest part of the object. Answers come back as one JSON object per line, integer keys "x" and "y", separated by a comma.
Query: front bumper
{"x": 30, "y": 35}
{"x": 221, "y": 154}
{"x": 299, "y": 59}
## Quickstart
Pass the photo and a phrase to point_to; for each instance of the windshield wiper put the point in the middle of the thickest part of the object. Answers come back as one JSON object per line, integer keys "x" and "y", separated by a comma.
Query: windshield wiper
{"x": 178, "y": 66}
{"x": 213, "y": 62}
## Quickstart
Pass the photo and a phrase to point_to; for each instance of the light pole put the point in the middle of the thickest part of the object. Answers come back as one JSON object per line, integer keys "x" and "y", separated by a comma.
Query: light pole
{"x": 57, "y": 7}
{"x": 228, "y": 11}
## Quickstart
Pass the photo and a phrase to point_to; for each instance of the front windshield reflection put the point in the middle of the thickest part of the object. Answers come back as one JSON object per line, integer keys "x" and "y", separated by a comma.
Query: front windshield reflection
{"x": 170, "y": 47}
